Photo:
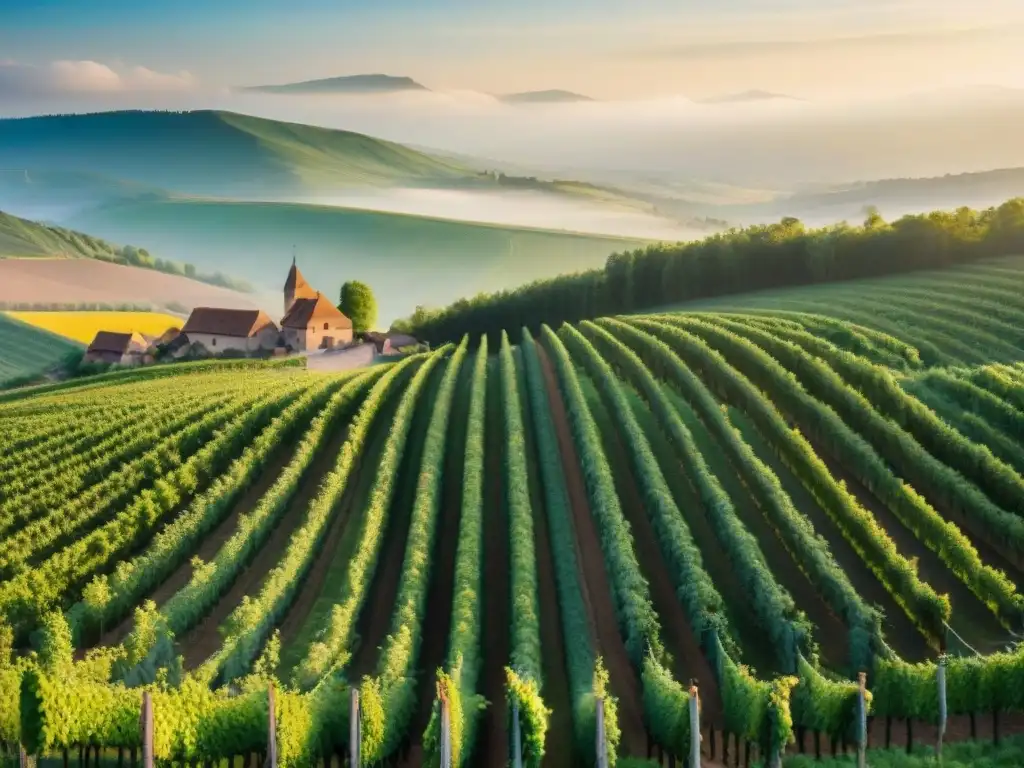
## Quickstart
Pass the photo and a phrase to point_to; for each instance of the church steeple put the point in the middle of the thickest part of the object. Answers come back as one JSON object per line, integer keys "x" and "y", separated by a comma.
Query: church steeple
{"x": 296, "y": 287}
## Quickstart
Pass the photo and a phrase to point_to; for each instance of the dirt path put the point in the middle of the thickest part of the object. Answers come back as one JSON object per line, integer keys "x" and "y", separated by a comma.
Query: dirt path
{"x": 755, "y": 652}
{"x": 688, "y": 660}
{"x": 625, "y": 683}
{"x": 374, "y": 620}
{"x": 900, "y": 632}
{"x": 438, "y": 618}
{"x": 971, "y": 618}
{"x": 209, "y": 545}
{"x": 312, "y": 605}
{"x": 558, "y": 750}
{"x": 492, "y": 747}
{"x": 204, "y": 639}
{"x": 830, "y": 632}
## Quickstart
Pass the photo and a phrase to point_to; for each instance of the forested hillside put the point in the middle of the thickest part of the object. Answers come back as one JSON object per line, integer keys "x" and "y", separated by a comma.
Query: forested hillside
{"x": 751, "y": 259}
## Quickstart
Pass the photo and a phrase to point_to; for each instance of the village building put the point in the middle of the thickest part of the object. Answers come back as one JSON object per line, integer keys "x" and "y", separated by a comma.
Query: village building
{"x": 389, "y": 343}
{"x": 117, "y": 348}
{"x": 237, "y": 330}
{"x": 314, "y": 323}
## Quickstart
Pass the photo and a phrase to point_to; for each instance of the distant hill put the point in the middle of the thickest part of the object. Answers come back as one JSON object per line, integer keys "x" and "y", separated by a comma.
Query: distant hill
{"x": 822, "y": 204}
{"x": 753, "y": 95}
{"x": 544, "y": 97}
{"x": 216, "y": 153}
{"x": 406, "y": 259}
{"x": 345, "y": 84}
{"x": 24, "y": 239}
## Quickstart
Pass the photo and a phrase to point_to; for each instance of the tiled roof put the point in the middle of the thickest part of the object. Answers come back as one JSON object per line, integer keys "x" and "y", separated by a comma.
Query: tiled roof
{"x": 305, "y": 311}
{"x": 109, "y": 341}
{"x": 215, "y": 321}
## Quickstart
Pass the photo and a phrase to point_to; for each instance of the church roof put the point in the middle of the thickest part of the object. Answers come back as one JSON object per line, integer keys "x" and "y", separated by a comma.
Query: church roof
{"x": 305, "y": 310}
{"x": 296, "y": 283}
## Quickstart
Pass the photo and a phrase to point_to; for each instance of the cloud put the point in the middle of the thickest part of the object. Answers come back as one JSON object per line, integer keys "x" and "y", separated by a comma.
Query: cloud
{"x": 764, "y": 47}
{"x": 86, "y": 77}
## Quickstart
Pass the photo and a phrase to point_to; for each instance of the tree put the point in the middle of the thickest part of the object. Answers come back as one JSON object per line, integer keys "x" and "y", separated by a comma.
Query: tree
{"x": 358, "y": 302}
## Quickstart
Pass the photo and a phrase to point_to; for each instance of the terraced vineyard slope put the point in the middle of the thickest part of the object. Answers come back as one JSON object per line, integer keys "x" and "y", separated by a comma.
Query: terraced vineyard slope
{"x": 768, "y": 497}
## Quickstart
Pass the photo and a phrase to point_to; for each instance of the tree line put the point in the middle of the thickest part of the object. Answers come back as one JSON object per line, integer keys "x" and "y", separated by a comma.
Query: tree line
{"x": 753, "y": 258}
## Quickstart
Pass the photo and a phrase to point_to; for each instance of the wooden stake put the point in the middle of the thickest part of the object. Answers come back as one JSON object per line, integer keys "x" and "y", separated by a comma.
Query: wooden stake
{"x": 354, "y": 729}
{"x": 147, "y": 730}
{"x": 271, "y": 728}
{"x": 694, "y": 727}
{"x": 862, "y": 720}
{"x": 941, "y": 673}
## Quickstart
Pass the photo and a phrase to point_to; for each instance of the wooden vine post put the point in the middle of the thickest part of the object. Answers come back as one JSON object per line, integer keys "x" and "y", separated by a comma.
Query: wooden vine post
{"x": 446, "y": 730}
{"x": 355, "y": 732}
{"x": 862, "y": 720}
{"x": 517, "y": 736}
{"x": 694, "y": 727}
{"x": 271, "y": 728}
{"x": 940, "y": 672}
{"x": 147, "y": 730}
{"x": 602, "y": 743}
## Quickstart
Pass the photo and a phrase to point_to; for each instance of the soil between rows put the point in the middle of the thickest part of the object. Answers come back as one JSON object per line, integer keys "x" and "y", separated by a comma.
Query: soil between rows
{"x": 209, "y": 545}
{"x": 204, "y": 639}
{"x": 900, "y": 632}
{"x": 830, "y": 632}
{"x": 688, "y": 659}
{"x": 311, "y": 608}
{"x": 558, "y": 752}
{"x": 438, "y": 617}
{"x": 597, "y": 595}
{"x": 970, "y": 618}
{"x": 496, "y": 596}
{"x": 374, "y": 620}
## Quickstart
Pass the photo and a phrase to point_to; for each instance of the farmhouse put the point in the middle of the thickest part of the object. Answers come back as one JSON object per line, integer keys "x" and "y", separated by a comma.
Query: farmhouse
{"x": 118, "y": 348}
{"x": 239, "y": 330}
{"x": 315, "y": 323}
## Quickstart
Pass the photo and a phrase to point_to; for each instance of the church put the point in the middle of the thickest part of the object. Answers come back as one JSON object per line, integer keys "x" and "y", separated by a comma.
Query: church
{"x": 310, "y": 322}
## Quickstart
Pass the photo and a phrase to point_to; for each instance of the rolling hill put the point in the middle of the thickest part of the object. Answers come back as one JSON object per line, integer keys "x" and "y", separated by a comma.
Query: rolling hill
{"x": 544, "y": 97}
{"x": 408, "y": 260}
{"x": 346, "y": 84}
{"x": 215, "y": 153}
{"x": 21, "y": 238}
{"x": 26, "y": 350}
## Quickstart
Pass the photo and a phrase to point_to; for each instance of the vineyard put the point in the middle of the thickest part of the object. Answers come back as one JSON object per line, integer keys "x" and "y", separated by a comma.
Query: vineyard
{"x": 765, "y": 496}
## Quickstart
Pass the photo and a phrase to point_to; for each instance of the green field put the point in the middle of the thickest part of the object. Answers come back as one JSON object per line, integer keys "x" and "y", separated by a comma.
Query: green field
{"x": 26, "y": 350}
{"x": 762, "y": 496}
{"x": 407, "y": 260}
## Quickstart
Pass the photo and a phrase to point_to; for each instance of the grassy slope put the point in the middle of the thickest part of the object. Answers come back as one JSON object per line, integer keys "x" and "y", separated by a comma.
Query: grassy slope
{"x": 21, "y": 238}
{"x": 210, "y": 152}
{"x": 408, "y": 260}
{"x": 25, "y": 350}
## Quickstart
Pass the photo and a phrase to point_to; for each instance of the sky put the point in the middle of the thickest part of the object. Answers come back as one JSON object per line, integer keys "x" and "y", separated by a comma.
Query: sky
{"x": 608, "y": 49}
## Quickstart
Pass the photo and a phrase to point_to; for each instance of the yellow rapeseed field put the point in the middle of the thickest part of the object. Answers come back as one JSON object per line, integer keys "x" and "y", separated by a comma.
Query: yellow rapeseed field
{"x": 82, "y": 326}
